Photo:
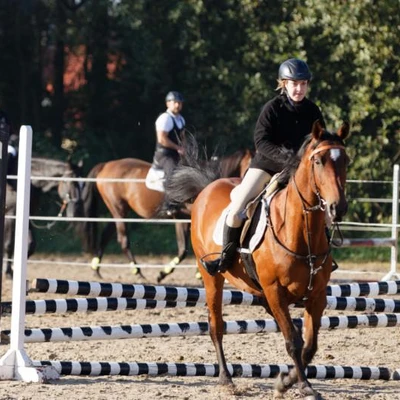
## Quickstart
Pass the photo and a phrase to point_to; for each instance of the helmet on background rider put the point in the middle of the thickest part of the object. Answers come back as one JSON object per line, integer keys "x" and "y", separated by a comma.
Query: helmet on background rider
{"x": 295, "y": 70}
{"x": 175, "y": 96}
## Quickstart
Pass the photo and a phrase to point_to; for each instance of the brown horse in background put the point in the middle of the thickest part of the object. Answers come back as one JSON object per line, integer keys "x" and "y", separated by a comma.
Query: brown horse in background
{"x": 119, "y": 197}
{"x": 292, "y": 261}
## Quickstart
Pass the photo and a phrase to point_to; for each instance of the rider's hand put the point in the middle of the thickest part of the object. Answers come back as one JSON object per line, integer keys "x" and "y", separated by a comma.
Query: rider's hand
{"x": 181, "y": 151}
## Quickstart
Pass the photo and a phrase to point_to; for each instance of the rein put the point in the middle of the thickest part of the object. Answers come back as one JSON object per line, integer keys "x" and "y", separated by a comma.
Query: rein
{"x": 306, "y": 208}
{"x": 66, "y": 200}
{"x": 51, "y": 224}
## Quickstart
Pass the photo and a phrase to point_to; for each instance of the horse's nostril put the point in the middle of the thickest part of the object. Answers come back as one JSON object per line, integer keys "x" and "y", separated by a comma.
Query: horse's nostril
{"x": 332, "y": 210}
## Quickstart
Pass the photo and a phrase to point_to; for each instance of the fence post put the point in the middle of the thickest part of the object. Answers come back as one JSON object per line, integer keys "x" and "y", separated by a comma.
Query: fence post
{"x": 15, "y": 364}
{"x": 393, "y": 274}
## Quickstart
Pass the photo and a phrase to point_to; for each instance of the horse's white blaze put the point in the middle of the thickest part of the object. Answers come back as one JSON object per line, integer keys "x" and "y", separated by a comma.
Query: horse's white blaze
{"x": 335, "y": 154}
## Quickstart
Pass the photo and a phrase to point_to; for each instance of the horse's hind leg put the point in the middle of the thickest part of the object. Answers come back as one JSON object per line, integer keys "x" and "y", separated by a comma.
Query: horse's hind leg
{"x": 31, "y": 241}
{"x": 182, "y": 240}
{"x": 123, "y": 240}
{"x": 214, "y": 286}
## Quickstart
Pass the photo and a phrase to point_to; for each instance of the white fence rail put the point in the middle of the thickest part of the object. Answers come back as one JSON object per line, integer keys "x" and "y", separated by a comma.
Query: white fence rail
{"x": 392, "y": 227}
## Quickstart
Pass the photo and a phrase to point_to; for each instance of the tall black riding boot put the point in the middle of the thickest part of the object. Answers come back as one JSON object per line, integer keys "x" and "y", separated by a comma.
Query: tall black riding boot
{"x": 328, "y": 236}
{"x": 231, "y": 239}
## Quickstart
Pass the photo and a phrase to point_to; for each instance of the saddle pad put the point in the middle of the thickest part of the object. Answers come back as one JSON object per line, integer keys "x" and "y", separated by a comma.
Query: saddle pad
{"x": 219, "y": 227}
{"x": 155, "y": 179}
{"x": 257, "y": 235}
{"x": 261, "y": 226}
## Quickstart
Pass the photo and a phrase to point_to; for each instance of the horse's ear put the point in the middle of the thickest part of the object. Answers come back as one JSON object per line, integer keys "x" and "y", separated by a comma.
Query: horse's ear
{"x": 317, "y": 129}
{"x": 344, "y": 130}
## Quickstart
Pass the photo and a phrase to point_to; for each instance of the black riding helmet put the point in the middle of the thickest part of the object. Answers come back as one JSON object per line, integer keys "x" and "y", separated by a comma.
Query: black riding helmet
{"x": 176, "y": 96}
{"x": 295, "y": 70}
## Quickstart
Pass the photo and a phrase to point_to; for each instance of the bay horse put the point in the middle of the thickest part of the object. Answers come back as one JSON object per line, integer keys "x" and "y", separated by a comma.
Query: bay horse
{"x": 68, "y": 192}
{"x": 292, "y": 261}
{"x": 120, "y": 197}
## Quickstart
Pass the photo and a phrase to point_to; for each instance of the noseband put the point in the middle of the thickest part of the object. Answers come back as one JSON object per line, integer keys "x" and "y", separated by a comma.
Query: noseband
{"x": 67, "y": 199}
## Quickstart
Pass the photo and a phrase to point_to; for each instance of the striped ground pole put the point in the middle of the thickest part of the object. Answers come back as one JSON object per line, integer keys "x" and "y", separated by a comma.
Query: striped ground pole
{"x": 193, "y": 294}
{"x": 96, "y": 304}
{"x": 361, "y": 304}
{"x": 167, "y": 293}
{"x": 194, "y": 328}
{"x": 196, "y": 369}
{"x": 364, "y": 289}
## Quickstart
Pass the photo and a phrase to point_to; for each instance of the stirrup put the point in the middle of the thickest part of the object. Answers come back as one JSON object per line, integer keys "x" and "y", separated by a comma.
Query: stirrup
{"x": 223, "y": 263}
{"x": 212, "y": 267}
{"x": 334, "y": 265}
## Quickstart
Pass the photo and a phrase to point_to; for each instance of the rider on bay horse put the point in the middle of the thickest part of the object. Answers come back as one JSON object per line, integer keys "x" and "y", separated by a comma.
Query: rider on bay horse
{"x": 280, "y": 130}
{"x": 170, "y": 129}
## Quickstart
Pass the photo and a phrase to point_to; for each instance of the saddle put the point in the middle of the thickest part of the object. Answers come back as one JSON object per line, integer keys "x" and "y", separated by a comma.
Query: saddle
{"x": 155, "y": 179}
{"x": 254, "y": 227}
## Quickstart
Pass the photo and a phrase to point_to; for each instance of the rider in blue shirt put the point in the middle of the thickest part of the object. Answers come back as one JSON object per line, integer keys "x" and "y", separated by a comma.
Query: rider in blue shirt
{"x": 170, "y": 129}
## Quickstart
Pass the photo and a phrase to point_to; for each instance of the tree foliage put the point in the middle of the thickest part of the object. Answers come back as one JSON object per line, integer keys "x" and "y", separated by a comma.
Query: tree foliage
{"x": 222, "y": 54}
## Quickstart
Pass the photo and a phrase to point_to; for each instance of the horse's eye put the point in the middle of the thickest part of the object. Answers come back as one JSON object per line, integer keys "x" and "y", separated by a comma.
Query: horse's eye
{"x": 317, "y": 161}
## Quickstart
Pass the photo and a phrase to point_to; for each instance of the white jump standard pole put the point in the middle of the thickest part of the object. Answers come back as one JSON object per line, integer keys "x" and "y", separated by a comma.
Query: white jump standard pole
{"x": 15, "y": 364}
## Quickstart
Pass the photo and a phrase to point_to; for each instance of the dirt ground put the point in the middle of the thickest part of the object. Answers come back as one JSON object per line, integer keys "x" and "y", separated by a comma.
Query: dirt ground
{"x": 364, "y": 347}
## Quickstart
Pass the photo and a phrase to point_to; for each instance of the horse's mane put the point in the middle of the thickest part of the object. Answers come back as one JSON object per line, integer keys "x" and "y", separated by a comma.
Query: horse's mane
{"x": 294, "y": 162}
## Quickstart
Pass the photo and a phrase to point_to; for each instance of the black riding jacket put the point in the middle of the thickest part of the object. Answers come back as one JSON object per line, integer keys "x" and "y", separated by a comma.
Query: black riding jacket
{"x": 280, "y": 131}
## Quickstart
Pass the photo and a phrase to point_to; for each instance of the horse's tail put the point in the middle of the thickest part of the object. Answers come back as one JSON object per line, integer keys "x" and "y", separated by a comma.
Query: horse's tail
{"x": 90, "y": 199}
{"x": 190, "y": 177}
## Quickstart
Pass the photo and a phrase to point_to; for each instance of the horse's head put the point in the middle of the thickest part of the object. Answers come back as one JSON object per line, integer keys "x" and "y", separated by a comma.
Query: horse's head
{"x": 70, "y": 191}
{"x": 328, "y": 161}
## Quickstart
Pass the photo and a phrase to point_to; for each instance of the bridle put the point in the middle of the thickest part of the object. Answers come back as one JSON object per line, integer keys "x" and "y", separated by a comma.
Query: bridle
{"x": 306, "y": 208}
{"x": 66, "y": 200}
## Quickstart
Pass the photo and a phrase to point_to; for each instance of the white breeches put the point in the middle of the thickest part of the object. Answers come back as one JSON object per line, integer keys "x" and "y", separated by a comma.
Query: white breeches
{"x": 251, "y": 186}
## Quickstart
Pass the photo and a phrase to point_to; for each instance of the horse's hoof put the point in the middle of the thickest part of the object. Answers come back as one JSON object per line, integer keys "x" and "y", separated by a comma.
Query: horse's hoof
{"x": 198, "y": 276}
{"x": 312, "y": 397}
{"x": 9, "y": 275}
{"x": 97, "y": 273}
{"x": 161, "y": 276}
{"x": 277, "y": 394}
{"x": 282, "y": 384}
{"x": 138, "y": 273}
{"x": 226, "y": 382}
{"x": 309, "y": 393}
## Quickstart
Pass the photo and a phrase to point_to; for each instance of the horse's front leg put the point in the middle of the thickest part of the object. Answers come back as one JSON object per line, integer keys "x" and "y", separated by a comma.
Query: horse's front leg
{"x": 9, "y": 236}
{"x": 276, "y": 296}
{"x": 106, "y": 234}
{"x": 182, "y": 240}
{"x": 314, "y": 309}
{"x": 214, "y": 286}
{"x": 31, "y": 241}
